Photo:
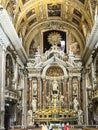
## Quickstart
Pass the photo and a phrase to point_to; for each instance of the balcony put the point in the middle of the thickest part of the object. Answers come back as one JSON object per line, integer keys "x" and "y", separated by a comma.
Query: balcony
{"x": 11, "y": 95}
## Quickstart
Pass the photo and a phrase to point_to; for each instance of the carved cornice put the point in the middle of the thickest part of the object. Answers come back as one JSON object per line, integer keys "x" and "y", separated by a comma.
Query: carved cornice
{"x": 8, "y": 28}
{"x": 4, "y": 42}
{"x": 92, "y": 39}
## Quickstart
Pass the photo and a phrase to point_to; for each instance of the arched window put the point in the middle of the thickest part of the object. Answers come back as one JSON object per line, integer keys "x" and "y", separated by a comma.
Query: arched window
{"x": 9, "y": 71}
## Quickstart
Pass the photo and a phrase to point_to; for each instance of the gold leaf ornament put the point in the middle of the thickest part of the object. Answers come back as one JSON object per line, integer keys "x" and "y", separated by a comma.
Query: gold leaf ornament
{"x": 54, "y": 38}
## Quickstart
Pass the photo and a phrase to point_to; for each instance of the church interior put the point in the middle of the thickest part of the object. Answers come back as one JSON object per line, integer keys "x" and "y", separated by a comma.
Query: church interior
{"x": 48, "y": 63}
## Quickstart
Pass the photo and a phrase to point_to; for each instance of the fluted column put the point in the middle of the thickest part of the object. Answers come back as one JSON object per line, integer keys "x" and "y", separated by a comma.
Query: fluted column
{"x": 70, "y": 91}
{"x": 30, "y": 94}
{"x": 2, "y": 84}
{"x": 38, "y": 94}
{"x": 79, "y": 94}
{"x": 65, "y": 93}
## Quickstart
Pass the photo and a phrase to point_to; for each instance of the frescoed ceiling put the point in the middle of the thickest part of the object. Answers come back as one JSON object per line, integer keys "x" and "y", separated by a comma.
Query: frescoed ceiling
{"x": 33, "y": 17}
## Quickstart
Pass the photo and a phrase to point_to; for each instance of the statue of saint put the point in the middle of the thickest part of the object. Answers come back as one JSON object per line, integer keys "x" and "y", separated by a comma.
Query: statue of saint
{"x": 34, "y": 104}
{"x": 34, "y": 89}
{"x": 55, "y": 85}
{"x": 75, "y": 102}
{"x": 80, "y": 117}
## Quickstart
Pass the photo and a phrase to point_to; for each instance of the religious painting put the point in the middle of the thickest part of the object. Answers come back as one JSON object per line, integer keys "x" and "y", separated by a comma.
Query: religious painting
{"x": 75, "y": 48}
{"x": 54, "y": 10}
{"x": 32, "y": 49}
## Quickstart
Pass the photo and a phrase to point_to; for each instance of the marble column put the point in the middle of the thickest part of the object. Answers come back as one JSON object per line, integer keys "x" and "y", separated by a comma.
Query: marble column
{"x": 79, "y": 94}
{"x": 65, "y": 93}
{"x": 59, "y": 87}
{"x": 22, "y": 95}
{"x": 44, "y": 92}
{"x": 2, "y": 84}
{"x": 70, "y": 91}
{"x": 16, "y": 75}
{"x": 86, "y": 100}
{"x": 38, "y": 94}
{"x": 30, "y": 93}
{"x": 93, "y": 67}
{"x": 25, "y": 100}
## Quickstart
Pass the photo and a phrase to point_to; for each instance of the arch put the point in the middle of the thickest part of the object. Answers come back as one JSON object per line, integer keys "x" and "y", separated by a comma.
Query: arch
{"x": 64, "y": 76}
{"x": 63, "y": 26}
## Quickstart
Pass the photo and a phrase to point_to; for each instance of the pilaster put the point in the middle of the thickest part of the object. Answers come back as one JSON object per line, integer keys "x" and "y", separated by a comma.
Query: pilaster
{"x": 65, "y": 93}
{"x": 2, "y": 83}
{"x": 79, "y": 95}
{"x": 24, "y": 100}
{"x": 30, "y": 94}
{"x": 44, "y": 92}
{"x": 38, "y": 94}
{"x": 70, "y": 91}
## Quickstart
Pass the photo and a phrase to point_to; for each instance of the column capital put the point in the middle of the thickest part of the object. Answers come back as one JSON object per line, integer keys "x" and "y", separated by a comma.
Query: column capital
{"x": 30, "y": 78}
{"x": 78, "y": 77}
{"x": 70, "y": 78}
{"x": 65, "y": 80}
{"x": 39, "y": 78}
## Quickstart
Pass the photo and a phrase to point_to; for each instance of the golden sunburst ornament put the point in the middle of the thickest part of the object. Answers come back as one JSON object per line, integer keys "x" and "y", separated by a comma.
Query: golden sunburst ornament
{"x": 54, "y": 38}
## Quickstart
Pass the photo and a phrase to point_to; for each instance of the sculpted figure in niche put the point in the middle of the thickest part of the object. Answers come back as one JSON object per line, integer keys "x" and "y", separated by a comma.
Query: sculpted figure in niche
{"x": 55, "y": 88}
{"x": 34, "y": 104}
{"x": 71, "y": 56}
{"x": 80, "y": 117}
{"x": 55, "y": 85}
{"x": 76, "y": 104}
{"x": 29, "y": 119}
{"x": 75, "y": 89}
{"x": 35, "y": 89}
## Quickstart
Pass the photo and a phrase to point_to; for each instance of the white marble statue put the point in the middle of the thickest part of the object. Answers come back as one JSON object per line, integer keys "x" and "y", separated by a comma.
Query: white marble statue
{"x": 34, "y": 89}
{"x": 34, "y": 104}
{"x": 29, "y": 119}
{"x": 71, "y": 57}
{"x": 55, "y": 85}
{"x": 76, "y": 104}
{"x": 80, "y": 117}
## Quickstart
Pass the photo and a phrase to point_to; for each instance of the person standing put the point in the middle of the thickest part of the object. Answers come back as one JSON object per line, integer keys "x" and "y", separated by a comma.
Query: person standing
{"x": 50, "y": 126}
{"x": 43, "y": 127}
{"x": 66, "y": 127}
{"x": 62, "y": 126}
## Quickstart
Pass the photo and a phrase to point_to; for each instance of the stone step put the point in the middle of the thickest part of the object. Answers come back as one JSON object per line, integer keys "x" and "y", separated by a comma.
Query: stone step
{"x": 90, "y": 129}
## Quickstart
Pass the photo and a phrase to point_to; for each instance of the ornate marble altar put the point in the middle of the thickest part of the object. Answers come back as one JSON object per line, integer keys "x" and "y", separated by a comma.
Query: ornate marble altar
{"x": 55, "y": 85}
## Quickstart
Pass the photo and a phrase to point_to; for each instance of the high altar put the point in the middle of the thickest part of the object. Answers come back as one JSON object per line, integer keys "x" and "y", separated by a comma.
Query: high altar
{"x": 54, "y": 87}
